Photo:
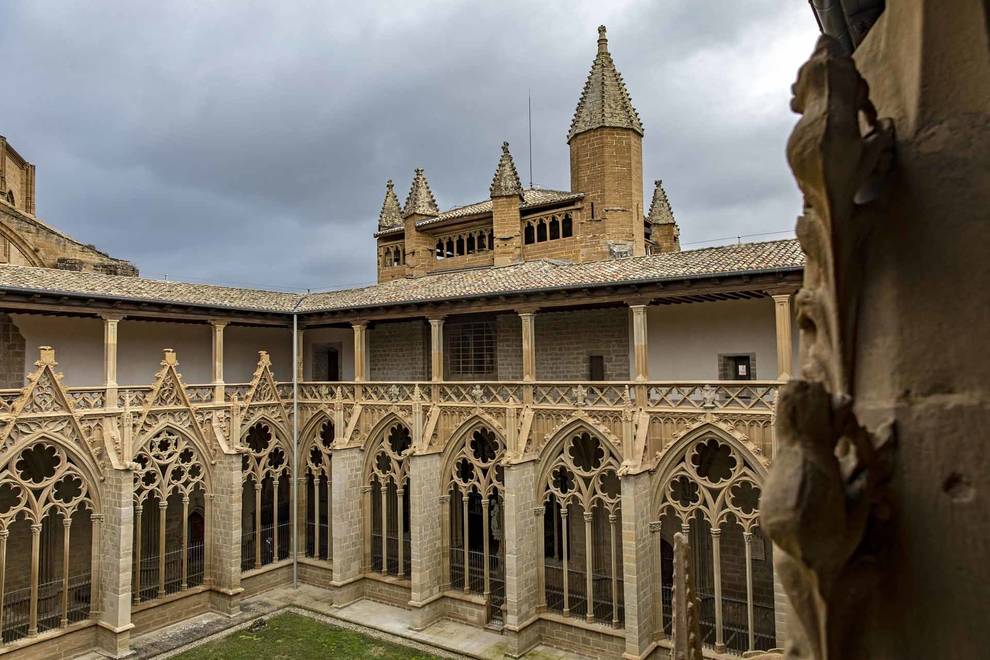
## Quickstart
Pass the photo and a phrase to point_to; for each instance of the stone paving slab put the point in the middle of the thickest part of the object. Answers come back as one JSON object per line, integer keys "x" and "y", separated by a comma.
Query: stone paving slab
{"x": 445, "y": 637}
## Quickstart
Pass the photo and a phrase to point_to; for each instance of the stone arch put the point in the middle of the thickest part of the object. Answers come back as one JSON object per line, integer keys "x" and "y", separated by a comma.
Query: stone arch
{"x": 267, "y": 472}
{"x": 22, "y": 246}
{"x": 464, "y": 429}
{"x": 316, "y": 483}
{"x": 552, "y": 448}
{"x": 386, "y": 478}
{"x": 193, "y": 438}
{"x": 82, "y": 457}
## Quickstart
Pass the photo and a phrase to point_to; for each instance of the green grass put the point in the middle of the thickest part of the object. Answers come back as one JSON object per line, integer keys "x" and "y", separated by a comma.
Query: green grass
{"x": 293, "y": 636}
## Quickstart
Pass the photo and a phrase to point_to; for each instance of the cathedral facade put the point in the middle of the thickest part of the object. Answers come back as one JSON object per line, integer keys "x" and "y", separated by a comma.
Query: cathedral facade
{"x": 506, "y": 431}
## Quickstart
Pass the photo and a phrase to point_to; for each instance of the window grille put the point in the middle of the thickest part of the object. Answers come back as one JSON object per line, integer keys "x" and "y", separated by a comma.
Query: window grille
{"x": 471, "y": 350}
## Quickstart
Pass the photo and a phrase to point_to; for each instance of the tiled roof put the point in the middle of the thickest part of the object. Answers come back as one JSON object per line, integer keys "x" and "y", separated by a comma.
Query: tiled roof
{"x": 543, "y": 275}
{"x": 139, "y": 289}
{"x": 604, "y": 100}
{"x": 521, "y": 278}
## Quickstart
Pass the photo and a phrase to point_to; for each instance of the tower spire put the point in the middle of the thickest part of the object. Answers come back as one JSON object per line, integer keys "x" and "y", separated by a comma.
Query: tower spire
{"x": 420, "y": 200}
{"x": 660, "y": 211}
{"x": 605, "y": 100}
{"x": 391, "y": 214}
{"x": 506, "y": 181}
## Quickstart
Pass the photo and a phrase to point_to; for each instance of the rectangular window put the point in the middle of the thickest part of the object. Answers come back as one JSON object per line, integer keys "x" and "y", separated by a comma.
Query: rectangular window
{"x": 471, "y": 350}
{"x": 737, "y": 367}
{"x": 596, "y": 367}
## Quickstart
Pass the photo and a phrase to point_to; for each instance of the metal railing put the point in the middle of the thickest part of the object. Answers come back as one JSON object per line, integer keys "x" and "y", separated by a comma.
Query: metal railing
{"x": 17, "y": 606}
{"x": 150, "y": 572}
{"x": 267, "y": 539}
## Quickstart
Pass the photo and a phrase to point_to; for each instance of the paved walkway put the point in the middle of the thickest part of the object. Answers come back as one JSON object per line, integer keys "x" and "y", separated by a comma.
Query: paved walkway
{"x": 445, "y": 637}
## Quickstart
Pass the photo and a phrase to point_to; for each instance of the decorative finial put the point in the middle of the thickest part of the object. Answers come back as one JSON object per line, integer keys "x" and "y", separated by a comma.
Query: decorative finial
{"x": 602, "y": 40}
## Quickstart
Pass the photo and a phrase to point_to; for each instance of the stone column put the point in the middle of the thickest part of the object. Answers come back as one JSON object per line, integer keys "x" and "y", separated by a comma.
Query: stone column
{"x": 300, "y": 360}
{"x": 641, "y": 364}
{"x": 110, "y": 322}
{"x": 436, "y": 349}
{"x": 347, "y": 468}
{"x": 523, "y": 551}
{"x": 225, "y": 534}
{"x": 528, "y": 345}
{"x": 218, "y": 385}
{"x": 426, "y": 545}
{"x": 360, "y": 350}
{"x": 638, "y": 566}
{"x": 785, "y": 349}
{"x": 116, "y": 532}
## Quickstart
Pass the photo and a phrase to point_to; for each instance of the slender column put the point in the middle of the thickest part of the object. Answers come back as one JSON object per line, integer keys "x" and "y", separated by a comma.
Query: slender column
{"x": 300, "y": 360}
{"x": 35, "y": 549}
{"x": 383, "y": 498}
{"x": 366, "y": 518}
{"x": 782, "y": 316}
{"x": 275, "y": 520}
{"x": 445, "y": 542}
{"x": 613, "y": 542}
{"x": 360, "y": 350}
{"x": 257, "y": 523}
{"x": 528, "y": 345}
{"x": 748, "y": 538}
{"x": 218, "y": 385}
{"x": 465, "y": 536}
{"x": 96, "y": 565}
{"x": 589, "y": 568}
{"x": 436, "y": 349}
{"x": 640, "y": 346}
{"x": 717, "y": 561}
{"x": 4, "y": 534}
{"x": 563, "y": 563}
{"x": 110, "y": 322}
{"x": 138, "y": 513}
{"x": 400, "y": 509}
{"x": 162, "y": 509}
{"x": 185, "y": 541}
{"x": 66, "y": 524}
{"x": 316, "y": 515}
{"x": 485, "y": 503}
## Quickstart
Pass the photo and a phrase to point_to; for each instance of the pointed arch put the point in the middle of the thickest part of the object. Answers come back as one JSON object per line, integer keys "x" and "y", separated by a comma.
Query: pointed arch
{"x": 21, "y": 245}
{"x": 197, "y": 443}
{"x": 551, "y": 448}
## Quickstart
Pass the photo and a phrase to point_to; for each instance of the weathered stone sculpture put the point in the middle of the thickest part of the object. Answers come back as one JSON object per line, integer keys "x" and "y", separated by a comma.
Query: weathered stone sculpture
{"x": 686, "y": 631}
{"x": 823, "y": 502}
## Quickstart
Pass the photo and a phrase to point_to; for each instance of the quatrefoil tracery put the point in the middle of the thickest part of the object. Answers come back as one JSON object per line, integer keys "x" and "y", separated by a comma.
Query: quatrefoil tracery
{"x": 391, "y": 458}
{"x": 476, "y": 466}
{"x": 39, "y": 479}
{"x": 169, "y": 464}
{"x": 584, "y": 473}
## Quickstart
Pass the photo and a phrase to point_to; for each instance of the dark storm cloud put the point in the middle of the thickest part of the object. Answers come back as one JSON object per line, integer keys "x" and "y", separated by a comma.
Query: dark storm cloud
{"x": 248, "y": 143}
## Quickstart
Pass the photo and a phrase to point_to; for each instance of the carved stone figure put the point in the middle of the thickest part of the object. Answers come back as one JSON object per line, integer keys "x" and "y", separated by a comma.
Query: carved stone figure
{"x": 823, "y": 502}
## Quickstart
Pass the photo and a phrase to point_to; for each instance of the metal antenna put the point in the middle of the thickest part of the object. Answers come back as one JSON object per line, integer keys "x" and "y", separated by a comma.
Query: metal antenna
{"x": 530, "y": 104}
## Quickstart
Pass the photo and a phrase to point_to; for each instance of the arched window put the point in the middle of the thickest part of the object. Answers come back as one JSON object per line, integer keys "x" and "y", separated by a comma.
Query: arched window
{"x": 319, "y": 494}
{"x": 491, "y": 241}
{"x": 712, "y": 495}
{"x": 266, "y": 513}
{"x": 482, "y": 243}
{"x": 474, "y": 516}
{"x": 169, "y": 542}
{"x": 389, "y": 501}
{"x": 541, "y": 231}
{"x": 582, "y": 523}
{"x": 439, "y": 250}
{"x": 396, "y": 256}
{"x": 567, "y": 226}
{"x": 554, "y": 228}
{"x": 529, "y": 235}
{"x": 460, "y": 246}
{"x": 10, "y": 198}
{"x": 45, "y": 500}
{"x": 450, "y": 248}
{"x": 470, "y": 244}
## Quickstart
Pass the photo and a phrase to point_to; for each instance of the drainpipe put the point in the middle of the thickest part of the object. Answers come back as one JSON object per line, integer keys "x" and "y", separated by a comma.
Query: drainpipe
{"x": 294, "y": 483}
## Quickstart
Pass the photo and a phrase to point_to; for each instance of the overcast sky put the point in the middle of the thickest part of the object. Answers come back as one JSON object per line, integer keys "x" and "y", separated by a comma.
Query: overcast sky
{"x": 248, "y": 143}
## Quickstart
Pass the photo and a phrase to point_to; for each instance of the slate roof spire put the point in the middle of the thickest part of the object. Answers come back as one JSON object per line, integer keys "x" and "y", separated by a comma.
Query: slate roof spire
{"x": 605, "y": 100}
{"x": 506, "y": 181}
{"x": 660, "y": 211}
{"x": 391, "y": 214}
{"x": 420, "y": 200}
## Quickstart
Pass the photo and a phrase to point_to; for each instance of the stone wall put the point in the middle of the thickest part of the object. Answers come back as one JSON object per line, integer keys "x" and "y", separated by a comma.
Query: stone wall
{"x": 11, "y": 353}
{"x": 565, "y": 340}
{"x": 399, "y": 351}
